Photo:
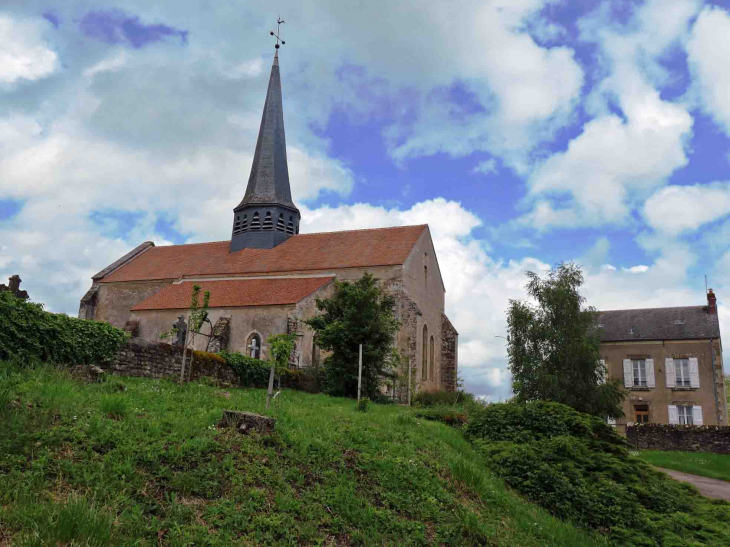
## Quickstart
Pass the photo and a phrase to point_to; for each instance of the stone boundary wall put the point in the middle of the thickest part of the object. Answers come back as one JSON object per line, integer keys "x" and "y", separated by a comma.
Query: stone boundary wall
{"x": 147, "y": 359}
{"x": 703, "y": 438}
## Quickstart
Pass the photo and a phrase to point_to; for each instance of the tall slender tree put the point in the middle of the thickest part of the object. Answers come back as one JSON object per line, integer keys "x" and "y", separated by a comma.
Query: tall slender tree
{"x": 554, "y": 349}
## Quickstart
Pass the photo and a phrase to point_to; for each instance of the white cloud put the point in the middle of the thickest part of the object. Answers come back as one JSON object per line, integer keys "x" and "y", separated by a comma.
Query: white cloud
{"x": 610, "y": 167}
{"x": 23, "y": 53}
{"x": 488, "y": 167}
{"x": 709, "y": 62}
{"x": 676, "y": 209}
{"x": 641, "y": 268}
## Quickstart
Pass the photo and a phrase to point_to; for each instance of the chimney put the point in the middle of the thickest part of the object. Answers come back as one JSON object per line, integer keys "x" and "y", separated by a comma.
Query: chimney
{"x": 711, "y": 302}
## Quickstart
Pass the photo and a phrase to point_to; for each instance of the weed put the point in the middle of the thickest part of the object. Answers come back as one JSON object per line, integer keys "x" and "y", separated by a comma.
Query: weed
{"x": 115, "y": 407}
{"x": 76, "y": 523}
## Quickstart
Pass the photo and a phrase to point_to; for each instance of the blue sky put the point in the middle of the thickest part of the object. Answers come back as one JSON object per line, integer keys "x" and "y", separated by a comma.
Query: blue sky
{"x": 524, "y": 132}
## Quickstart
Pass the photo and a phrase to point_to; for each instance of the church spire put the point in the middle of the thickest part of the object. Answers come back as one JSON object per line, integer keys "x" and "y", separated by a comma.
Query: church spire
{"x": 267, "y": 215}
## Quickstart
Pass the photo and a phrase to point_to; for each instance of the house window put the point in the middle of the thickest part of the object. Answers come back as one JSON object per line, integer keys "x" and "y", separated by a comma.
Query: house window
{"x": 424, "y": 351}
{"x": 685, "y": 415}
{"x": 639, "y": 372}
{"x": 642, "y": 414}
{"x": 681, "y": 368}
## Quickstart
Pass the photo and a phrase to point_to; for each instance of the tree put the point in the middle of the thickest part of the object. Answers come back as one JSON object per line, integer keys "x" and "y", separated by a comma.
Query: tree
{"x": 198, "y": 316}
{"x": 553, "y": 347}
{"x": 281, "y": 346}
{"x": 359, "y": 312}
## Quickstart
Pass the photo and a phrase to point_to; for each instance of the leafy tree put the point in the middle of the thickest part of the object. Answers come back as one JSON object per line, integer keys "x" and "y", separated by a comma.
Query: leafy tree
{"x": 553, "y": 346}
{"x": 281, "y": 346}
{"x": 359, "y": 312}
{"x": 198, "y": 316}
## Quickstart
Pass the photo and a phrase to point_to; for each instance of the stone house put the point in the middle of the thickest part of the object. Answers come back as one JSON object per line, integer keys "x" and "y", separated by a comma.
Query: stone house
{"x": 670, "y": 360}
{"x": 266, "y": 278}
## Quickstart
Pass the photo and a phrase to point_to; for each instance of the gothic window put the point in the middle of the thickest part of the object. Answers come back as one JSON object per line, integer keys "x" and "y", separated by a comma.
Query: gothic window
{"x": 424, "y": 351}
{"x": 255, "y": 222}
{"x": 290, "y": 226}
{"x": 430, "y": 360}
{"x": 280, "y": 225}
{"x": 268, "y": 224}
{"x": 237, "y": 225}
{"x": 244, "y": 223}
{"x": 253, "y": 346}
{"x": 425, "y": 269}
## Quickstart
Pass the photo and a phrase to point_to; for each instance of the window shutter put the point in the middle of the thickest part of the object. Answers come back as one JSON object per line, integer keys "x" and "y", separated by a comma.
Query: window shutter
{"x": 669, "y": 369}
{"x": 694, "y": 373}
{"x": 628, "y": 373}
{"x": 673, "y": 415}
{"x": 602, "y": 376}
{"x": 697, "y": 415}
{"x": 650, "y": 373}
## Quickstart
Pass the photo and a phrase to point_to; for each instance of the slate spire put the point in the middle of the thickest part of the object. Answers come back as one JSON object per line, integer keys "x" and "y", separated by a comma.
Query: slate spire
{"x": 267, "y": 215}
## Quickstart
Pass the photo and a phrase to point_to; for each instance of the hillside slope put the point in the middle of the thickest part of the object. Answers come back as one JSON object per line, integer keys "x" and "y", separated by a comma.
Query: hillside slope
{"x": 148, "y": 466}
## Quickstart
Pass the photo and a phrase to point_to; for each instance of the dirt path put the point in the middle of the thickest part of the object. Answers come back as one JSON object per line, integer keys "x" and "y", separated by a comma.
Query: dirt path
{"x": 710, "y": 488}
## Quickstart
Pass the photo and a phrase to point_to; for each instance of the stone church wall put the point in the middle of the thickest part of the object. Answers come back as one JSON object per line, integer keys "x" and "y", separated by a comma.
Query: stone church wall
{"x": 449, "y": 354}
{"x": 115, "y": 300}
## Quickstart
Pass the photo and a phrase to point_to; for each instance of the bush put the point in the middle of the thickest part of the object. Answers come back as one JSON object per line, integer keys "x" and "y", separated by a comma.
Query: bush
{"x": 434, "y": 398}
{"x": 255, "y": 372}
{"x": 446, "y": 414}
{"x": 27, "y": 332}
{"x": 362, "y": 404}
{"x": 579, "y": 469}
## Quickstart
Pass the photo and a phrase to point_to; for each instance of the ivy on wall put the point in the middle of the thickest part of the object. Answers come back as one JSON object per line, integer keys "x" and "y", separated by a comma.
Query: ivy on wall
{"x": 255, "y": 372}
{"x": 27, "y": 332}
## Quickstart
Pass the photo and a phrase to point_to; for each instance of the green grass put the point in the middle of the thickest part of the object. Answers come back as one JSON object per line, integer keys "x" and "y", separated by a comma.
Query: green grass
{"x": 715, "y": 466}
{"x": 142, "y": 462}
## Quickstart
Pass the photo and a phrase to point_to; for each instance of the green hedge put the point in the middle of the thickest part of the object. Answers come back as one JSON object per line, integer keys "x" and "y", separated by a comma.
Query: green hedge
{"x": 28, "y": 332}
{"x": 255, "y": 372}
{"x": 579, "y": 469}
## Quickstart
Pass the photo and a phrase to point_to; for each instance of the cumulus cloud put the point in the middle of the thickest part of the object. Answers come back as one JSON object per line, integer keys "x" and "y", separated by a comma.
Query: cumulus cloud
{"x": 709, "y": 62}
{"x": 676, "y": 209}
{"x": 24, "y": 55}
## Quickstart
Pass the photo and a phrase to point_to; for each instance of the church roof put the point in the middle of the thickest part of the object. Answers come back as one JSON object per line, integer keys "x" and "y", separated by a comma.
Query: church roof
{"x": 268, "y": 182}
{"x": 236, "y": 293}
{"x": 304, "y": 252}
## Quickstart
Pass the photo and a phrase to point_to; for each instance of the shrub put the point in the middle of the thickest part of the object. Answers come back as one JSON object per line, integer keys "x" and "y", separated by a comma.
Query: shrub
{"x": 434, "y": 398}
{"x": 27, "y": 332}
{"x": 362, "y": 404}
{"x": 446, "y": 414}
{"x": 255, "y": 372}
{"x": 579, "y": 469}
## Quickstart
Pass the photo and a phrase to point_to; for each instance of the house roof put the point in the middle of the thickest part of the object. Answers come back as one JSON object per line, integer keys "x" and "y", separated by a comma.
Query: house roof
{"x": 684, "y": 323}
{"x": 236, "y": 293}
{"x": 321, "y": 251}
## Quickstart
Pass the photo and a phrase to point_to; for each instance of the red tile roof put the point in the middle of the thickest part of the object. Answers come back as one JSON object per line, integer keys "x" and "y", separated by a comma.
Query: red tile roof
{"x": 322, "y": 251}
{"x": 236, "y": 293}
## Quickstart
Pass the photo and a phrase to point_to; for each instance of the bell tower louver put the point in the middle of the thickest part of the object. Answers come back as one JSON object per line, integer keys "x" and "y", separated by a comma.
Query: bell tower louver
{"x": 267, "y": 215}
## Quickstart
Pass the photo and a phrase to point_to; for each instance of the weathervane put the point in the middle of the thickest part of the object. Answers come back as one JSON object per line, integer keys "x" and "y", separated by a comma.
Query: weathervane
{"x": 279, "y": 22}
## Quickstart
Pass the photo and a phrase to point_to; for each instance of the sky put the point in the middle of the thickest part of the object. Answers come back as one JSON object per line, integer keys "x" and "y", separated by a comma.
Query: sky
{"x": 524, "y": 132}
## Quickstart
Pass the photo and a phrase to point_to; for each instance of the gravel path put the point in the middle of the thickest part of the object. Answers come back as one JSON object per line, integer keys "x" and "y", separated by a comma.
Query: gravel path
{"x": 710, "y": 488}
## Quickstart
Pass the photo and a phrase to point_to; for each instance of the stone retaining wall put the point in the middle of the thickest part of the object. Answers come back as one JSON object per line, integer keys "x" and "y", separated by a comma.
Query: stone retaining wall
{"x": 704, "y": 438}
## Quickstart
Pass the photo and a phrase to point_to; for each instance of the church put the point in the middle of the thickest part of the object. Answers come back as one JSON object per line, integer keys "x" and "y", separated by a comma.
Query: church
{"x": 265, "y": 280}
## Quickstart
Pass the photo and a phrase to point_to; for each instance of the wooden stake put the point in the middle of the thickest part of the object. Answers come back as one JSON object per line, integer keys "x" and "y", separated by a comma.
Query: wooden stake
{"x": 409, "y": 382}
{"x": 270, "y": 392}
{"x": 359, "y": 375}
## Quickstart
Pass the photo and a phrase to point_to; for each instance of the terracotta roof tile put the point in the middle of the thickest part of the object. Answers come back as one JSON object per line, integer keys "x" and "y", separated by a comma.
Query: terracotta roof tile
{"x": 236, "y": 293}
{"x": 322, "y": 251}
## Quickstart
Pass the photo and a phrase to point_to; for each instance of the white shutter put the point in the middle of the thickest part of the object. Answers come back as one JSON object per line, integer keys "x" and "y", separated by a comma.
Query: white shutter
{"x": 697, "y": 415}
{"x": 602, "y": 376}
{"x": 628, "y": 373}
{"x": 694, "y": 373}
{"x": 669, "y": 369}
{"x": 673, "y": 415}
{"x": 650, "y": 373}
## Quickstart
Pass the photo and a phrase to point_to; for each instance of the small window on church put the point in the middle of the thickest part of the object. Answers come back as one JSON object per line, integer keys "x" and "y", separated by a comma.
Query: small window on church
{"x": 244, "y": 223}
{"x": 268, "y": 224}
{"x": 297, "y": 230}
{"x": 237, "y": 225}
{"x": 290, "y": 226}
{"x": 255, "y": 222}
{"x": 280, "y": 225}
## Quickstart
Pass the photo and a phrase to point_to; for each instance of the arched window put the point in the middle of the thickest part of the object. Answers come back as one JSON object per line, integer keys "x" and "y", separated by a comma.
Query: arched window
{"x": 255, "y": 222}
{"x": 290, "y": 226}
{"x": 280, "y": 225}
{"x": 430, "y": 360}
{"x": 253, "y": 346}
{"x": 268, "y": 223}
{"x": 244, "y": 223}
{"x": 424, "y": 351}
{"x": 237, "y": 225}
{"x": 297, "y": 230}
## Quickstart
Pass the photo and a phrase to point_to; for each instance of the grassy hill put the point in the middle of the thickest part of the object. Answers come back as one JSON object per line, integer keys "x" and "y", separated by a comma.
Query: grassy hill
{"x": 136, "y": 461}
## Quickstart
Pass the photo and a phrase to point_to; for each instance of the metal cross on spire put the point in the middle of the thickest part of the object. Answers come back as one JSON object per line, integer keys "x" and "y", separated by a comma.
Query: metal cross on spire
{"x": 279, "y": 22}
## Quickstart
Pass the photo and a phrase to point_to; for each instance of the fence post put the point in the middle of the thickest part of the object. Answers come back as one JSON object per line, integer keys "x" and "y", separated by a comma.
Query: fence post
{"x": 359, "y": 375}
